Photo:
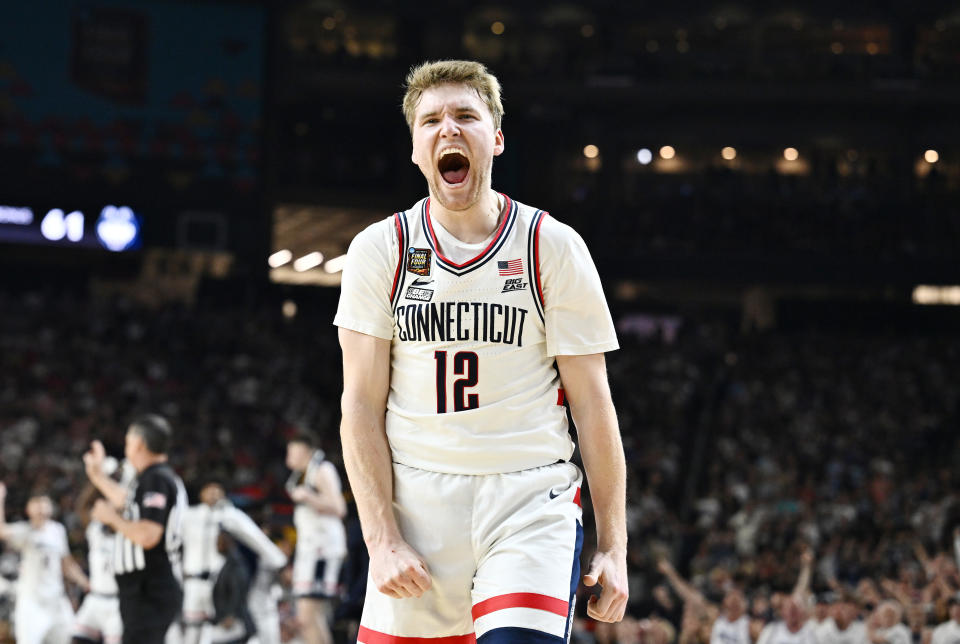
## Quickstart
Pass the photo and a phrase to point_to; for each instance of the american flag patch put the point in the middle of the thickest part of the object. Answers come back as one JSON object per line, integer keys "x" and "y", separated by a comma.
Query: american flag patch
{"x": 155, "y": 500}
{"x": 512, "y": 267}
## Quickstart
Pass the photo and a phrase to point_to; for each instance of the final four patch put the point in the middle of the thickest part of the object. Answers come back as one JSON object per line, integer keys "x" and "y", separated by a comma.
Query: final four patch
{"x": 418, "y": 261}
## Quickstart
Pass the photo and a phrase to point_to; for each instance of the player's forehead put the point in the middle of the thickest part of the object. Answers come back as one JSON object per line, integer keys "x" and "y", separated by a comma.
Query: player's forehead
{"x": 40, "y": 501}
{"x": 450, "y": 97}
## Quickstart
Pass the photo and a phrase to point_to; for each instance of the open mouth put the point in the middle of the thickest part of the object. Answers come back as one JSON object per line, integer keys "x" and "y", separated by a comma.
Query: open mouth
{"x": 453, "y": 167}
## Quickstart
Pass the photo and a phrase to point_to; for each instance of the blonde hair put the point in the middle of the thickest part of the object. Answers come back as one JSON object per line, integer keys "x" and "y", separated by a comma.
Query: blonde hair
{"x": 461, "y": 72}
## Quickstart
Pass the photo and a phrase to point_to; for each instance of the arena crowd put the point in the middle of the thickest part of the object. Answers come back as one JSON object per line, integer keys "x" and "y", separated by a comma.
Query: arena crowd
{"x": 810, "y": 473}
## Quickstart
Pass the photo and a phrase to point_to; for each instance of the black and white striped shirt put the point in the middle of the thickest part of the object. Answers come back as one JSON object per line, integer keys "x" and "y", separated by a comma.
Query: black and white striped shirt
{"x": 158, "y": 495}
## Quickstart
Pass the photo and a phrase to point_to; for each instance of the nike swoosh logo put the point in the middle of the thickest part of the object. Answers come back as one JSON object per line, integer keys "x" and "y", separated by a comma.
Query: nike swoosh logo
{"x": 419, "y": 282}
{"x": 553, "y": 494}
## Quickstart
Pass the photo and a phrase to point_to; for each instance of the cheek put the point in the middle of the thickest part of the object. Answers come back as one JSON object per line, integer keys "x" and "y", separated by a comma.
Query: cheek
{"x": 421, "y": 157}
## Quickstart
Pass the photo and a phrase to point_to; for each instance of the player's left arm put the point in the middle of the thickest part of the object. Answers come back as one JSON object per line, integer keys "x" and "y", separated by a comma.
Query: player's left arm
{"x": 73, "y": 572}
{"x": 244, "y": 529}
{"x": 328, "y": 499}
{"x": 585, "y": 384}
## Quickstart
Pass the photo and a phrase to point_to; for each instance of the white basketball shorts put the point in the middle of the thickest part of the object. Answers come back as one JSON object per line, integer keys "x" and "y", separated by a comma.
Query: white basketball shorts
{"x": 197, "y": 600}
{"x": 503, "y": 551}
{"x": 99, "y": 619}
{"x": 42, "y": 620}
{"x": 315, "y": 575}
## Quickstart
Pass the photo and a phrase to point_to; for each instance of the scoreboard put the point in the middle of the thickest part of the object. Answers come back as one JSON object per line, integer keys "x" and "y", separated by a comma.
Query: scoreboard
{"x": 109, "y": 227}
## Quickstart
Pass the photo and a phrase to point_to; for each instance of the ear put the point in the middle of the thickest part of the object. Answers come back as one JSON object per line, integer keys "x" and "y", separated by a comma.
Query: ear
{"x": 498, "y": 143}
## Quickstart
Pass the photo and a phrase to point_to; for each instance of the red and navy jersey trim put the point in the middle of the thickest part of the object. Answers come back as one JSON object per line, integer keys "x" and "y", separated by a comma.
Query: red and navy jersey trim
{"x": 403, "y": 234}
{"x": 533, "y": 261}
{"x": 503, "y": 233}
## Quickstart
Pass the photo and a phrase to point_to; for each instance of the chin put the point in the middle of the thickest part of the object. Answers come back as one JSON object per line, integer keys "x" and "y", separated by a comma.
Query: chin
{"x": 460, "y": 198}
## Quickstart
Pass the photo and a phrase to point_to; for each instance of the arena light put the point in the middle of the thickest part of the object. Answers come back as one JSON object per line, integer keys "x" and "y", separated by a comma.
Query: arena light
{"x": 729, "y": 153}
{"x": 927, "y": 294}
{"x": 279, "y": 258}
{"x": 336, "y": 264}
{"x": 667, "y": 152}
{"x": 308, "y": 261}
{"x": 289, "y": 309}
{"x": 931, "y": 156}
{"x": 591, "y": 151}
{"x": 791, "y": 154}
{"x": 497, "y": 28}
{"x": 644, "y": 156}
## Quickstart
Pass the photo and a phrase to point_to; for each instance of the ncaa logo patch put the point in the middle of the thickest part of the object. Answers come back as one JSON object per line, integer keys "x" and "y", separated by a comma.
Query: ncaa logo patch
{"x": 418, "y": 261}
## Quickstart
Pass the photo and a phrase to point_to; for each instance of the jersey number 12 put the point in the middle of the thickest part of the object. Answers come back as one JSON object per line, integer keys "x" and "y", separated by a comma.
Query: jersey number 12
{"x": 465, "y": 363}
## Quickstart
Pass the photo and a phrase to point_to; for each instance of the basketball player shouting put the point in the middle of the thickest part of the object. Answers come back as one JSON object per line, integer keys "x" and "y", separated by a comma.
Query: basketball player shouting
{"x": 465, "y": 323}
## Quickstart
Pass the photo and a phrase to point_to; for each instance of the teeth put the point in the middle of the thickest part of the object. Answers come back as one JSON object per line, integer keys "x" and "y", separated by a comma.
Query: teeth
{"x": 447, "y": 151}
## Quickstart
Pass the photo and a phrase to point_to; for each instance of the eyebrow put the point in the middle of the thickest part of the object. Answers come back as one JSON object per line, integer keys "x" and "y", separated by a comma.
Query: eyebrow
{"x": 462, "y": 108}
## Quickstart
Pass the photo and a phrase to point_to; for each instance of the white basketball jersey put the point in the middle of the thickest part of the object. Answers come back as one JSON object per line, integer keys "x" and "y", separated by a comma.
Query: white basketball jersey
{"x": 323, "y": 533}
{"x": 727, "y": 632}
{"x": 201, "y": 526}
{"x": 474, "y": 388}
{"x": 100, "y": 546}
{"x": 41, "y": 553}
{"x": 778, "y": 633}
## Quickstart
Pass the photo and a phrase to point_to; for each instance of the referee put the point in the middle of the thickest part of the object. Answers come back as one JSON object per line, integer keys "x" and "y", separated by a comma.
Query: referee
{"x": 149, "y": 531}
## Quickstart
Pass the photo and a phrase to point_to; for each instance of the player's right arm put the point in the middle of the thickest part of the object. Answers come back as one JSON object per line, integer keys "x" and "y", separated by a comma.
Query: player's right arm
{"x": 17, "y": 534}
{"x": 93, "y": 459}
{"x": 3, "y": 512}
{"x": 328, "y": 498}
{"x": 396, "y": 568}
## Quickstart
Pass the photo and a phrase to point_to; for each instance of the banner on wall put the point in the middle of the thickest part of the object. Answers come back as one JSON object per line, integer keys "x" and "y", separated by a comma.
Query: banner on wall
{"x": 109, "y": 54}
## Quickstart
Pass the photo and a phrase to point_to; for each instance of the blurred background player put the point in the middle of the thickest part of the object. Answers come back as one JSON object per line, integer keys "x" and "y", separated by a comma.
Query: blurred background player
{"x": 232, "y": 623}
{"x": 203, "y": 559}
{"x": 43, "y": 612}
{"x": 265, "y": 592}
{"x": 314, "y": 485}
{"x": 98, "y": 618}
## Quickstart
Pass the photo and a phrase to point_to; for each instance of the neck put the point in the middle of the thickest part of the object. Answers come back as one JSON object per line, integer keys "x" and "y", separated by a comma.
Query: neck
{"x": 474, "y": 224}
{"x": 152, "y": 459}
